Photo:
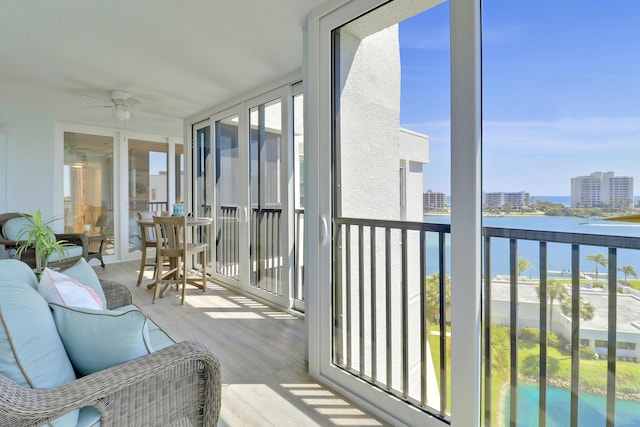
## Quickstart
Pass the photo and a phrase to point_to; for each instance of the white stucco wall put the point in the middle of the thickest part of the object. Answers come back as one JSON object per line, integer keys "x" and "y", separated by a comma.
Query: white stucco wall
{"x": 370, "y": 113}
{"x": 373, "y": 153}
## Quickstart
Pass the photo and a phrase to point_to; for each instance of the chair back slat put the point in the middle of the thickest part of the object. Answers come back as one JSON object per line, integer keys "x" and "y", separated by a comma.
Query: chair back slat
{"x": 172, "y": 234}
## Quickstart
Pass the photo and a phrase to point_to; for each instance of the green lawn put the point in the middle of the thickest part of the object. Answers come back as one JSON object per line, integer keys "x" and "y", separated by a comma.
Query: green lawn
{"x": 593, "y": 373}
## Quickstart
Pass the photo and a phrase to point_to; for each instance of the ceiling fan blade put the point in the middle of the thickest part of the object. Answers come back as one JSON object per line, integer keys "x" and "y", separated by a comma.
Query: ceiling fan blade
{"x": 95, "y": 106}
{"x": 84, "y": 95}
{"x": 132, "y": 101}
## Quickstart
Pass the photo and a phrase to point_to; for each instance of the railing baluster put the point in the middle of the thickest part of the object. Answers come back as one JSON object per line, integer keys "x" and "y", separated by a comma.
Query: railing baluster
{"x": 278, "y": 259}
{"x": 611, "y": 336}
{"x": 542, "y": 408}
{"x": 387, "y": 255}
{"x": 338, "y": 309}
{"x": 348, "y": 307}
{"x": 423, "y": 322}
{"x": 374, "y": 315}
{"x": 575, "y": 332}
{"x": 442, "y": 286}
{"x": 513, "y": 279}
{"x": 487, "y": 331}
{"x": 405, "y": 318}
{"x": 361, "y": 296}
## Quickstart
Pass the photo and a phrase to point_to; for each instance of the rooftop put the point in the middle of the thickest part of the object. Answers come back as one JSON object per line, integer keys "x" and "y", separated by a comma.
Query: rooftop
{"x": 628, "y": 305}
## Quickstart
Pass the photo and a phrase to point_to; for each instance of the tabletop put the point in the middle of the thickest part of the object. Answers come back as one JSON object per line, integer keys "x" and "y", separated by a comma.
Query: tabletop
{"x": 191, "y": 221}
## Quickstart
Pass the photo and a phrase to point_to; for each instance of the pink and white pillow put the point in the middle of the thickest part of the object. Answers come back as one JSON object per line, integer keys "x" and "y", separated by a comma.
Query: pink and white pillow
{"x": 61, "y": 289}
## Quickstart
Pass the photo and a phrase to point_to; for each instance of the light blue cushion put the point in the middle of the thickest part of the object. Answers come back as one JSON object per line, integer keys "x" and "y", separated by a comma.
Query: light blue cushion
{"x": 12, "y": 227}
{"x": 14, "y": 269}
{"x": 89, "y": 417}
{"x": 98, "y": 339}
{"x": 85, "y": 274}
{"x": 159, "y": 338}
{"x": 31, "y": 352}
{"x": 70, "y": 251}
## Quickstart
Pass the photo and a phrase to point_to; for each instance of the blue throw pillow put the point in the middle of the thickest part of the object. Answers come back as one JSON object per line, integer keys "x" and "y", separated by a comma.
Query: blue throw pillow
{"x": 98, "y": 339}
{"x": 13, "y": 269}
{"x": 31, "y": 352}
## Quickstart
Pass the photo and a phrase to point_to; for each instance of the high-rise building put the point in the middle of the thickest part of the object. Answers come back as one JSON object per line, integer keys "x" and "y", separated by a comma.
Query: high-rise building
{"x": 602, "y": 189}
{"x": 434, "y": 200}
{"x": 516, "y": 200}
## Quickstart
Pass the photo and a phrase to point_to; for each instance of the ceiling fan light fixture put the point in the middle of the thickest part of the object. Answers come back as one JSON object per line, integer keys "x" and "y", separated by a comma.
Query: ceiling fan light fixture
{"x": 120, "y": 112}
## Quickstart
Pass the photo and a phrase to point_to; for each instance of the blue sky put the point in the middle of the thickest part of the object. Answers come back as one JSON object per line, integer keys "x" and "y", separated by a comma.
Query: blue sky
{"x": 561, "y": 92}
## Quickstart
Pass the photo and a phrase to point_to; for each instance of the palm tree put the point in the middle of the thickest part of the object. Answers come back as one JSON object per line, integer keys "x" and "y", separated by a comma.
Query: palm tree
{"x": 599, "y": 259}
{"x": 587, "y": 310}
{"x": 628, "y": 270}
{"x": 555, "y": 291}
{"x": 523, "y": 265}
{"x": 433, "y": 296}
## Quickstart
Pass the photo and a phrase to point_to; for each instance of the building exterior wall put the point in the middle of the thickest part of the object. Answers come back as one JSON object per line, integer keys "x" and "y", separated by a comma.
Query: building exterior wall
{"x": 602, "y": 189}
{"x": 432, "y": 200}
{"x": 516, "y": 200}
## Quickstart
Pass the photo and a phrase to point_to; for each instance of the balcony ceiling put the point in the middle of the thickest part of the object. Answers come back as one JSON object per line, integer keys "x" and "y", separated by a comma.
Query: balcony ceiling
{"x": 177, "y": 57}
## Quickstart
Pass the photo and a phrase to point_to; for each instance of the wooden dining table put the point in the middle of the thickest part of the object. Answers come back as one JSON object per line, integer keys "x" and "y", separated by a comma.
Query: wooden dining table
{"x": 191, "y": 222}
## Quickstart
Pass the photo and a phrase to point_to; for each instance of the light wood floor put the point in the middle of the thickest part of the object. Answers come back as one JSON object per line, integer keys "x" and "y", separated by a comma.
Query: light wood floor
{"x": 265, "y": 380}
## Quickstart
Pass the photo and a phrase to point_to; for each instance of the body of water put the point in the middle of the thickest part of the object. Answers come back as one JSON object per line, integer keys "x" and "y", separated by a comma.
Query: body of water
{"x": 592, "y": 408}
{"x": 559, "y": 255}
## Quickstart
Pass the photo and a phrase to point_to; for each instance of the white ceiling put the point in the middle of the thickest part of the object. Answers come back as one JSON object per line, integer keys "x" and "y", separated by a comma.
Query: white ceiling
{"x": 179, "y": 57}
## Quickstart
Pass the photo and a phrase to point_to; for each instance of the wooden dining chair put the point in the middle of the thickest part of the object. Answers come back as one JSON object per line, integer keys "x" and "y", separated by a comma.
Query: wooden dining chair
{"x": 148, "y": 240}
{"x": 172, "y": 244}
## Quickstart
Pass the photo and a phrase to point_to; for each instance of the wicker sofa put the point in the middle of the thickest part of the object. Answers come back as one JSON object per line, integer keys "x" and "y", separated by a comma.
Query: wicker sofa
{"x": 78, "y": 246}
{"x": 179, "y": 384}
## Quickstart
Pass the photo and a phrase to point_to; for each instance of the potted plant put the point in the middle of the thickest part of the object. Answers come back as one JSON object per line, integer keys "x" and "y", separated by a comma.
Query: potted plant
{"x": 38, "y": 235}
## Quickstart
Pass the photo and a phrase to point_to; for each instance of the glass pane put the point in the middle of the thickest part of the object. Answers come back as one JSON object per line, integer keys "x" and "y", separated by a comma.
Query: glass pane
{"x": 228, "y": 197}
{"x": 148, "y": 183}
{"x": 298, "y": 170}
{"x": 179, "y": 168}
{"x": 88, "y": 186}
{"x": 265, "y": 124}
{"x": 202, "y": 166}
{"x": 392, "y": 149}
{"x": 560, "y": 132}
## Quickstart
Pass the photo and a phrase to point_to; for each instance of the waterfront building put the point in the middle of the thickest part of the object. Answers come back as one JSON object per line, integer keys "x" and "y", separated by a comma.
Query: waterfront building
{"x": 517, "y": 200}
{"x": 593, "y": 332}
{"x": 434, "y": 200}
{"x": 602, "y": 189}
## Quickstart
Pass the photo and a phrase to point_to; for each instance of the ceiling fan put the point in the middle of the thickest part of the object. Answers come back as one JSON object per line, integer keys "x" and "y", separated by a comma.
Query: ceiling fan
{"x": 120, "y": 103}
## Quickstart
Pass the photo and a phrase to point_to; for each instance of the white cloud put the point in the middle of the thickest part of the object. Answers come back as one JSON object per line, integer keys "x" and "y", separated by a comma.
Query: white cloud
{"x": 541, "y": 156}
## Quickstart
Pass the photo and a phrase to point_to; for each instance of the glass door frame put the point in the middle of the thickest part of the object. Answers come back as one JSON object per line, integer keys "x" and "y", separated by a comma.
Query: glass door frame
{"x": 466, "y": 230}
{"x": 119, "y": 247}
{"x": 171, "y": 184}
{"x": 243, "y": 232}
{"x": 283, "y": 93}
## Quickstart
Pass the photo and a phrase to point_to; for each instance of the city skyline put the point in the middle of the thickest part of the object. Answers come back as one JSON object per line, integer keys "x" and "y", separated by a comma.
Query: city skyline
{"x": 559, "y": 93}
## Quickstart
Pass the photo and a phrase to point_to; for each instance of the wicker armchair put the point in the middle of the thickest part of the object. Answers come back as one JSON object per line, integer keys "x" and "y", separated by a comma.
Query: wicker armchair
{"x": 29, "y": 256}
{"x": 177, "y": 385}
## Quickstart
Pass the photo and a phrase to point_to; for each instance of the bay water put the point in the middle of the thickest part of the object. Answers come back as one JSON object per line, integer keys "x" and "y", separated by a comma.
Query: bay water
{"x": 592, "y": 408}
{"x": 559, "y": 255}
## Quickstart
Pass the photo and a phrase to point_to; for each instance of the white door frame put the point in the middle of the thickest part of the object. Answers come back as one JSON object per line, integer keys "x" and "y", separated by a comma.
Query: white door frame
{"x": 465, "y": 222}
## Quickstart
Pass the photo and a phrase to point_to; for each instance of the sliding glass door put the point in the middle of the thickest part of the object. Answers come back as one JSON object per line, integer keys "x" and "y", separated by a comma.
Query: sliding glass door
{"x": 265, "y": 163}
{"x": 89, "y": 186}
{"x": 228, "y": 196}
